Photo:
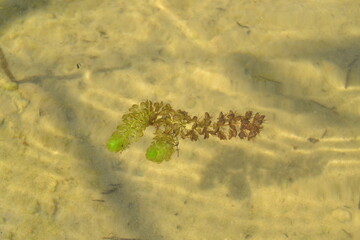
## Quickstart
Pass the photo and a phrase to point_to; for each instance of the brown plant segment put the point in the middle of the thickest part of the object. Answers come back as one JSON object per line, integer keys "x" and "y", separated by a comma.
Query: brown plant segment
{"x": 179, "y": 123}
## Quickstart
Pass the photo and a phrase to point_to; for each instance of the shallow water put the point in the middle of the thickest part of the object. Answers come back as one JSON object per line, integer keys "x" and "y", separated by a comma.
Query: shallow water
{"x": 80, "y": 65}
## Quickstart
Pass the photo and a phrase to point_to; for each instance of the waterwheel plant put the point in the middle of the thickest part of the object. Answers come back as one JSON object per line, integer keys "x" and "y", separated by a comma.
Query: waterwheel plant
{"x": 170, "y": 125}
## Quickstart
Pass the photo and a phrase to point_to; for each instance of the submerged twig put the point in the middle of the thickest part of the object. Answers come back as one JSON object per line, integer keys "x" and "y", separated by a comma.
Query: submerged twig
{"x": 244, "y": 26}
{"x": 12, "y": 83}
{"x": 348, "y": 71}
{"x": 5, "y": 66}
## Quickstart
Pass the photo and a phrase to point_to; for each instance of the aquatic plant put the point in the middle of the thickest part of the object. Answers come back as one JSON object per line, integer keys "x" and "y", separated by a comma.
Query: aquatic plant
{"x": 170, "y": 125}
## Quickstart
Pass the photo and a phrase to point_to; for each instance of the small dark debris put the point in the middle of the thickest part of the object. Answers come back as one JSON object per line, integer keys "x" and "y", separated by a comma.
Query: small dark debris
{"x": 119, "y": 238}
{"x": 115, "y": 184}
{"x": 114, "y": 188}
{"x": 313, "y": 140}
{"x": 349, "y": 70}
{"x": 241, "y": 25}
{"x": 109, "y": 191}
{"x": 244, "y": 26}
{"x": 247, "y": 236}
{"x": 41, "y": 112}
{"x": 103, "y": 34}
{"x": 324, "y": 133}
{"x": 347, "y": 233}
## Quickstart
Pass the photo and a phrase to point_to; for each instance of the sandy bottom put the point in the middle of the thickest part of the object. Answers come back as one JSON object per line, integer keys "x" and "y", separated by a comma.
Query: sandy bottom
{"x": 81, "y": 64}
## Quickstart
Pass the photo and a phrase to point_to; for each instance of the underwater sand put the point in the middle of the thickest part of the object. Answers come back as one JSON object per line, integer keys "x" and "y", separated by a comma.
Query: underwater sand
{"x": 81, "y": 64}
